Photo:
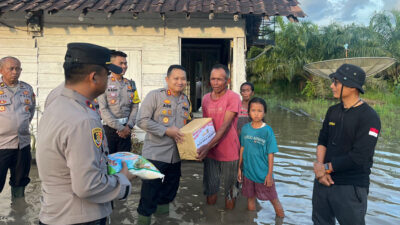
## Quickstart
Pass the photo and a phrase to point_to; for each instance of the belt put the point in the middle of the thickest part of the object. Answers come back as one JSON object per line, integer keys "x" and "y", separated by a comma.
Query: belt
{"x": 122, "y": 121}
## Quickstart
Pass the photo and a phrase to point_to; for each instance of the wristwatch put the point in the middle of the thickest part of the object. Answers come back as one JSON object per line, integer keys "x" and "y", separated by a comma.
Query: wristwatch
{"x": 327, "y": 170}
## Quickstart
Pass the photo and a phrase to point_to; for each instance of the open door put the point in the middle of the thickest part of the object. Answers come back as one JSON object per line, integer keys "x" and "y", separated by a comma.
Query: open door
{"x": 198, "y": 57}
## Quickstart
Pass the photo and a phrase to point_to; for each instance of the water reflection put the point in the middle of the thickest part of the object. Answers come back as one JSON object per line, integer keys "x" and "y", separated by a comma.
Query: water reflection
{"x": 296, "y": 137}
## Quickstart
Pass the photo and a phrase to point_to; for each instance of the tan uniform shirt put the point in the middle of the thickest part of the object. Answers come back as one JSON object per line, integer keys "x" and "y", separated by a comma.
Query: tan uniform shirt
{"x": 120, "y": 100}
{"x": 54, "y": 94}
{"x": 16, "y": 113}
{"x": 158, "y": 111}
{"x": 71, "y": 159}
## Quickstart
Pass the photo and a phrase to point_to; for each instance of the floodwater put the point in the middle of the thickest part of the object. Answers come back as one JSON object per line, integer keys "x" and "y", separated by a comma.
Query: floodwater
{"x": 296, "y": 138}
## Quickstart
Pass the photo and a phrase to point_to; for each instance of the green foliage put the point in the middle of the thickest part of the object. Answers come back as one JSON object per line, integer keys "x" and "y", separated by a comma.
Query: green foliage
{"x": 397, "y": 90}
{"x": 317, "y": 87}
{"x": 297, "y": 44}
{"x": 309, "y": 90}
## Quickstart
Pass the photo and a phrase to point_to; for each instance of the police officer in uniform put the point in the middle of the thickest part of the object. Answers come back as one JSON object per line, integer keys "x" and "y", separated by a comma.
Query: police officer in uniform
{"x": 119, "y": 106}
{"x": 162, "y": 113}
{"x": 71, "y": 149}
{"x": 17, "y": 107}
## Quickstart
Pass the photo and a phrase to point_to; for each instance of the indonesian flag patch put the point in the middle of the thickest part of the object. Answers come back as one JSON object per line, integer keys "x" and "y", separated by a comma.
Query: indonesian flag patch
{"x": 373, "y": 132}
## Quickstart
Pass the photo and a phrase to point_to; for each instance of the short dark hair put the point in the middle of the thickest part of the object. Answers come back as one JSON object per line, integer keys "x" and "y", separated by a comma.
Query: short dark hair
{"x": 115, "y": 53}
{"x": 247, "y": 83}
{"x": 260, "y": 101}
{"x": 172, "y": 67}
{"x": 76, "y": 72}
{"x": 222, "y": 66}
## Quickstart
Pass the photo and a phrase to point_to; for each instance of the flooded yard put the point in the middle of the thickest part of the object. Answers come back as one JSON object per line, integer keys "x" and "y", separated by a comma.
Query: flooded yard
{"x": 296, "y": 138}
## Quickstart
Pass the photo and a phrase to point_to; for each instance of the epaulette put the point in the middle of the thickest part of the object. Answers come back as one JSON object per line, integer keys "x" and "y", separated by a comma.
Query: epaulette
{"x": 22, "y": 83}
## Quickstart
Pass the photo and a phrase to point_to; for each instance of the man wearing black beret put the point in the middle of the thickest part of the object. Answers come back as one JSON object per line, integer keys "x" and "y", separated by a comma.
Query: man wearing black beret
{"x": 345, "y": 150}
{"x": 71, "y": 151}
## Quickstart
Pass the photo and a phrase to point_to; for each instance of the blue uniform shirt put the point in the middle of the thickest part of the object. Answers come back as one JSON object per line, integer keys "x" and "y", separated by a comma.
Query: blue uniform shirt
{"x": 257, "y": 143}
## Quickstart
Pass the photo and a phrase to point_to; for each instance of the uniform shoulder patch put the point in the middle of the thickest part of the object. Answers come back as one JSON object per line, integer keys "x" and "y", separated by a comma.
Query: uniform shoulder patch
{"x": 97, "y": 135}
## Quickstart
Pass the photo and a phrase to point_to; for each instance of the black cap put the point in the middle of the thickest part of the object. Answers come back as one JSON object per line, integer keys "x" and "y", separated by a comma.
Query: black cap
{"x": 350, "y": 76}
{"x": 90, "y": 54}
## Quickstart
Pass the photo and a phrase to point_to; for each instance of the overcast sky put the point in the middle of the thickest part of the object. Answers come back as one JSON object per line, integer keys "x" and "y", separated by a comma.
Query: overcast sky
{"x": 324, "y": 12}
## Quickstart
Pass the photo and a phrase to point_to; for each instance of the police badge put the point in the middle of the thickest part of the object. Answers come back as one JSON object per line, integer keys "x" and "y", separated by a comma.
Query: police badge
{"x": 97, "y": 135}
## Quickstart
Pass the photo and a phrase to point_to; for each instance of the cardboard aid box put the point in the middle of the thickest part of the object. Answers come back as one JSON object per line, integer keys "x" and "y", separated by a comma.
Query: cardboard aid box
{"x": 197, "y": 133}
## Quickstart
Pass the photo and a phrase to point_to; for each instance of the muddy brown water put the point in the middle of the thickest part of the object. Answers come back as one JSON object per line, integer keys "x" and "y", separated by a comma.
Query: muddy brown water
{"x": 296, "y": 138}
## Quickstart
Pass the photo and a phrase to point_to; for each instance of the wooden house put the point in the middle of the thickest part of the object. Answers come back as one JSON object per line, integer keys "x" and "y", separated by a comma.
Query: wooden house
{"x": 154, "y": 34}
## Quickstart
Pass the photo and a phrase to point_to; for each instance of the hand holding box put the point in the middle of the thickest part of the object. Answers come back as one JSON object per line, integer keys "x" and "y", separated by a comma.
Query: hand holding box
{"x": 197, "y": 133}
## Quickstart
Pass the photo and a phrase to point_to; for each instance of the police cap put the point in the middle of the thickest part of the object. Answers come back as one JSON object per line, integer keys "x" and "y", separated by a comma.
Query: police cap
{"x": 86, "y": 53}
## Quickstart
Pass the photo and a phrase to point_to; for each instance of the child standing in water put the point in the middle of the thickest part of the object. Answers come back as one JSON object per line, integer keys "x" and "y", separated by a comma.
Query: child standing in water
{"x": 258, "y": 145}
{"x": 246, "y": 91}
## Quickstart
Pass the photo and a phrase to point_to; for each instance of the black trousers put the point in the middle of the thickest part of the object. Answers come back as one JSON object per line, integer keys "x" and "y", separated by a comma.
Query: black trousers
{"x": 19, "y": 163}
{"x": 155, "y": 192}
{"x": 95, "y": 222}
{"x": 115, "y": 142}
{"x": 346, "y": 203}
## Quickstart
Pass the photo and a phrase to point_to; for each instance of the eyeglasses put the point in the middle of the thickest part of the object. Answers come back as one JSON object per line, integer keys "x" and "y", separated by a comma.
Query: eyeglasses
{"x": 335, "y": 81}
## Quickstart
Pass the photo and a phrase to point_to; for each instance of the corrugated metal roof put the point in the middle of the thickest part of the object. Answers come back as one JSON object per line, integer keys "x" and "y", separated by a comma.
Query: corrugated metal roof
{"x": 266, "y": 7}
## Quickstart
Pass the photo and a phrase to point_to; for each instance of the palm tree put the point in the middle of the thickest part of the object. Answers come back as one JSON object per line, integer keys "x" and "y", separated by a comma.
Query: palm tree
{"x": 297, "y": 44}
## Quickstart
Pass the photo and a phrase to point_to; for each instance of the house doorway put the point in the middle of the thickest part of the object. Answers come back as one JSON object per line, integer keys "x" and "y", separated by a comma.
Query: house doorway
{"x": 198, "y": 57}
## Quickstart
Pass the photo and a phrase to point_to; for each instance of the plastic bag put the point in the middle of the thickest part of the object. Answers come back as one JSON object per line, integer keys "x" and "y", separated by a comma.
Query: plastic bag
{"x": 137, "y": 165}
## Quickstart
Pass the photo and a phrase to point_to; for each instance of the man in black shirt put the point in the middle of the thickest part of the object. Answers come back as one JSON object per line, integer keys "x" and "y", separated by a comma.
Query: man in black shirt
{"x": 346, "y": 146}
